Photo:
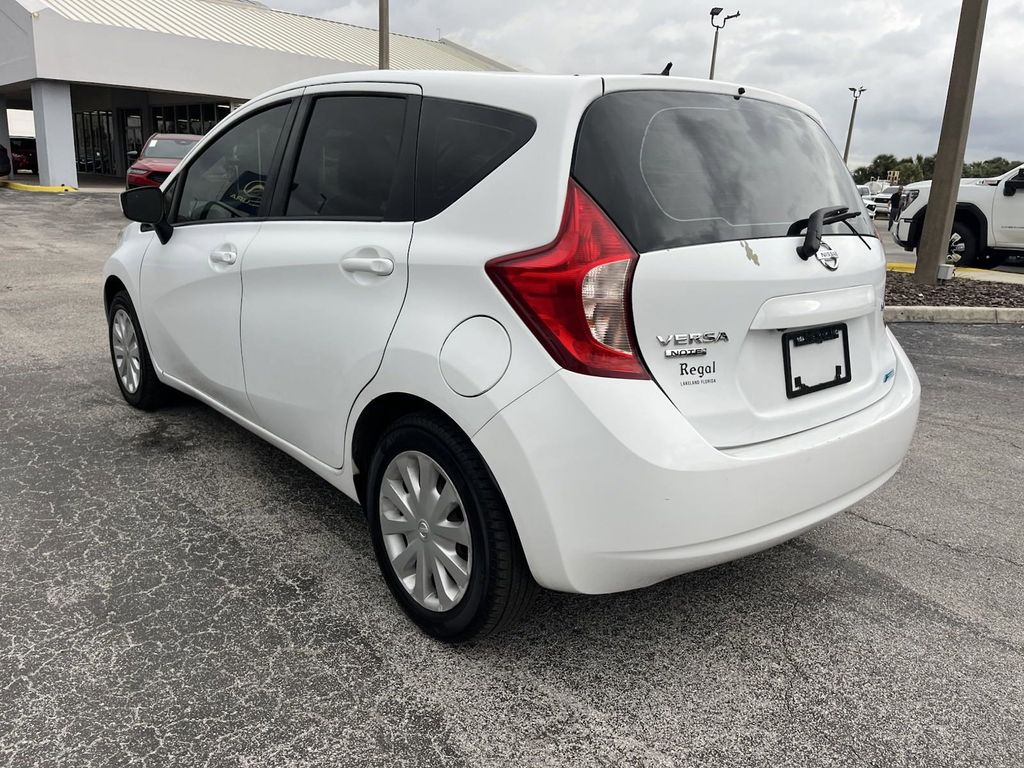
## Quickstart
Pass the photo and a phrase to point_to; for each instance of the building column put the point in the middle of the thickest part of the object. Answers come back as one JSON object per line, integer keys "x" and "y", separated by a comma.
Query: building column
{"x": 5, "y": 129}
{"x": 148, "y": 124}
{"x": 55, "y": 133}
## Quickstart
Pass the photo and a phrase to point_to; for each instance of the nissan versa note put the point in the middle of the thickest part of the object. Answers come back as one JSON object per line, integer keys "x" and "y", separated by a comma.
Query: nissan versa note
{"x": 586, "y": 333}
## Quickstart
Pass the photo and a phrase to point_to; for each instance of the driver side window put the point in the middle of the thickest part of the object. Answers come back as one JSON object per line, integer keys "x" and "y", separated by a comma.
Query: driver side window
{"x": 226, "y": 181}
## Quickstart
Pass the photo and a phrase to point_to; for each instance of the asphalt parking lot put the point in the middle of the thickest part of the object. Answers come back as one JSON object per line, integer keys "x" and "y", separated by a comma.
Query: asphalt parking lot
{"x": 173, "y": 591}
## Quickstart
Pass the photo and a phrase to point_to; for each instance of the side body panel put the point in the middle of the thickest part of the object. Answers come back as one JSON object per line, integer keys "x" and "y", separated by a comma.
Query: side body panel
{"x": 313, "y": 334}
{"x": 516, "y": 208}
{"x": 1007, "y": 219}
{"x": 313, "y": 330}
{"x": 191, "y": 305}
{"x": 125, "y": 262}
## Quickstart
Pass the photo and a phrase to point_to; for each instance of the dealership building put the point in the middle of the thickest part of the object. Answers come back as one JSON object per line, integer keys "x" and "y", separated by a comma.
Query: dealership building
{"x": 100, "y": 76}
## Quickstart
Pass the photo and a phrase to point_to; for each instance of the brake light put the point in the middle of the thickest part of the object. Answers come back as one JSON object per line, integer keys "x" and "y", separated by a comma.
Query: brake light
{"x": 574, "y": 293}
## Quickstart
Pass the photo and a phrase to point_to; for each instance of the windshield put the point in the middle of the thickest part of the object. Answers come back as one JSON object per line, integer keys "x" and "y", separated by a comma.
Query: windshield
{"x": 673, "y": 168}
{"x": 170, "y": 149}
{"x": 890, "y": 190}
{"x": 863, "y": 191}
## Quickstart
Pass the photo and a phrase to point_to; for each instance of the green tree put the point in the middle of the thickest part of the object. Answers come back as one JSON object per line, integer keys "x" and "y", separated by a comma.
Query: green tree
{"x": 922, "y": 168}
{"x": 984, "y": 169}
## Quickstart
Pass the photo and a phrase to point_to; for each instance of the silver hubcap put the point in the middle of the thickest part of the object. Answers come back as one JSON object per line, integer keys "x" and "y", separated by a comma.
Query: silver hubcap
{"x": 125, "y": 344}
{"x": 426, "y": 533}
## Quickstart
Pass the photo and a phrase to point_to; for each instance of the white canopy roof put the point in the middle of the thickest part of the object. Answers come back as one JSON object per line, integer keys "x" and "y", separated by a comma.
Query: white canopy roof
{"x": 249, "y": 23}
{"x": 224, "y": 48}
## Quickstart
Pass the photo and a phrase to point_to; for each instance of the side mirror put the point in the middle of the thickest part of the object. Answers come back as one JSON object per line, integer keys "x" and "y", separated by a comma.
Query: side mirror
{"x": 146, "y": 205}
{"x": 133, "y": 155}
{"x": 1011, "y": 185}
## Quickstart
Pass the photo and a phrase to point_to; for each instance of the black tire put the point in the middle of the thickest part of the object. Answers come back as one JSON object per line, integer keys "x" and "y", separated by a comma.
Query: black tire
{"x": 500, "y": 587}
{"x": 972, "y": 255}
{"x": 151, "y": 393}
{"x": 969, "y": 255}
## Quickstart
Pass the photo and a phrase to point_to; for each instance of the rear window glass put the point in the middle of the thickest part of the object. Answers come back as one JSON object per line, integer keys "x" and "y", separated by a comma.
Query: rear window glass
{"x": 673, "y": 168}
{"x": 459, "y": 145}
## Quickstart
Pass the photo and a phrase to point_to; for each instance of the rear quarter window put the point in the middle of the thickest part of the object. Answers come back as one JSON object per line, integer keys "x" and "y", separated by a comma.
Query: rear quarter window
{"x": 460, "y": 144}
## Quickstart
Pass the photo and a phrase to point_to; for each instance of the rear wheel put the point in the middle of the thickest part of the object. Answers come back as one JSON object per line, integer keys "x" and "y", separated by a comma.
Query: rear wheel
{"x": 442, "y": 533}
{"x": 965, "y": 241}
{"x": 962, "y": 240}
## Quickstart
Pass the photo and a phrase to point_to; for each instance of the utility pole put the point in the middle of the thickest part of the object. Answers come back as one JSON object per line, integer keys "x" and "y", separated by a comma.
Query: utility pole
{"x": 384, "y": 51}
{"x": 949, "y": 162}
{"x": 715, "y": 13}
{"x": 853, "y": 114}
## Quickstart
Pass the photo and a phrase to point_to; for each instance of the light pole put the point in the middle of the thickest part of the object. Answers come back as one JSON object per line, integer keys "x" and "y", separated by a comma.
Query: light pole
{"x": 949, "y": 161}
{"x": 715, "y": 13}
{"x": 853, "y": 113}
{"x": 384, "y": 50}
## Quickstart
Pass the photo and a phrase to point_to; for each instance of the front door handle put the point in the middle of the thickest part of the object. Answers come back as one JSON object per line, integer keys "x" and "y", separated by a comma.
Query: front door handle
{"x": 377, "y": 265}
{"x": 225, "y": 254}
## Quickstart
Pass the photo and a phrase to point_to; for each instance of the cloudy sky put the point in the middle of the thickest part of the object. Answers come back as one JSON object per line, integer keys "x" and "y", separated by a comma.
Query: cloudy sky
{"x": 809, "y": 49}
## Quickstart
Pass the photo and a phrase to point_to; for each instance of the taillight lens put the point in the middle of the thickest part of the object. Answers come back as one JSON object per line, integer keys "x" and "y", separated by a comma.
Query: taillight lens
{"x": 573, "y": 293}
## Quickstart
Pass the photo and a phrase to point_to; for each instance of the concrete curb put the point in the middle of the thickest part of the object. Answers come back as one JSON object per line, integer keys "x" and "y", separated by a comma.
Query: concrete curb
{"x": 908, "y": 268}
{"x": 954, "y": 315}
{"x": 34, "y": 187}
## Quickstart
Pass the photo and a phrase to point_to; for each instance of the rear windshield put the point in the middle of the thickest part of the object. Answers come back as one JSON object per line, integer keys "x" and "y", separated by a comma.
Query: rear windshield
{"x": 168, "y": 149}
{"x": 673, "y": 168}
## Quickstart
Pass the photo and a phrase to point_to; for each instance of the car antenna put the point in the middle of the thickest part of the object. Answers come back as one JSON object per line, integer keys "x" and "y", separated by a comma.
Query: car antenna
{"x": 664, "y": 72}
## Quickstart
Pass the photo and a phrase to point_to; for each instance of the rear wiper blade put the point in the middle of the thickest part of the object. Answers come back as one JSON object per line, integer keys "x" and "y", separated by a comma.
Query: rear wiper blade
{"x": 820, "y": 218}
{"x": 853, "y": 229}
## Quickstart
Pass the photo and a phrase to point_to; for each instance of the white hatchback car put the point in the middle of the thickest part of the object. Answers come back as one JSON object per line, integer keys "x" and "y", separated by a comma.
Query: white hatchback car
{"x": 581, "y": 332}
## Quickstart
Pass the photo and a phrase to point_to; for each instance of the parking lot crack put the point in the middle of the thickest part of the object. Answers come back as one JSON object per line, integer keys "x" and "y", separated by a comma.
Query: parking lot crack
{"x": 945, "y": 545}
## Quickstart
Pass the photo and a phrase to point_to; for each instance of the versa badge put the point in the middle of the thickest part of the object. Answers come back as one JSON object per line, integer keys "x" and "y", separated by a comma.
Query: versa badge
{"x": 684, "y": 343}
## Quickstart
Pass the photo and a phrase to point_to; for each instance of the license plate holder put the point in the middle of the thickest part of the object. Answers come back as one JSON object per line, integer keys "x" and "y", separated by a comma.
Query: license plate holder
{"x": 816, "y": 358}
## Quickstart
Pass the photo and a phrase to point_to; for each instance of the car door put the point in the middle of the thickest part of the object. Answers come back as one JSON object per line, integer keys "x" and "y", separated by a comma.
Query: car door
{"x": 1008, "y": 211}
{"x": 325, "y": 277}
{"x": 191, "y": 286}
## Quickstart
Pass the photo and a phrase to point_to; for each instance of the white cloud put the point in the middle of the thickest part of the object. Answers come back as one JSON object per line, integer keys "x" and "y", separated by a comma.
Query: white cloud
{"x": 900, "y": 50}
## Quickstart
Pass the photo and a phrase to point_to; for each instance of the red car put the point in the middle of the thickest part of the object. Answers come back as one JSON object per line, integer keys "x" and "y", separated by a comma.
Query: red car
{"x": 159, "y": 157}
{"x": 23, "y": 154}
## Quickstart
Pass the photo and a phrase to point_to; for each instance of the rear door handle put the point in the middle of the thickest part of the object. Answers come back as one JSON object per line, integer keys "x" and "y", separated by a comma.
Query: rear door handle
{"x": 376, "y": 265}
{"x": 225, "y": 254}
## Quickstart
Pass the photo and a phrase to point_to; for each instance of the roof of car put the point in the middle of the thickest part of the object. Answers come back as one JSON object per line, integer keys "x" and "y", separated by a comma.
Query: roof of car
{"x": 497, "y": 81}
{"x": 186, "y": 136}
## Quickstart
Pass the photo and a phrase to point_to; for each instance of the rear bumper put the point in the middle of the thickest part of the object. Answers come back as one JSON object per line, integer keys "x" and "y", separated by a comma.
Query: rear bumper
{"x": 611, "y": 489}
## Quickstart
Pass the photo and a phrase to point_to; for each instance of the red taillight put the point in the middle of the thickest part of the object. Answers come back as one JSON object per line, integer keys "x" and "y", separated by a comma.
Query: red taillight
{"x": 573, "y": 293}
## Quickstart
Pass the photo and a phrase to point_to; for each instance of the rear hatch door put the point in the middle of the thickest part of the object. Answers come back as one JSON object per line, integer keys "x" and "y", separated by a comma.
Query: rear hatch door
{"x": 748, "y": 339}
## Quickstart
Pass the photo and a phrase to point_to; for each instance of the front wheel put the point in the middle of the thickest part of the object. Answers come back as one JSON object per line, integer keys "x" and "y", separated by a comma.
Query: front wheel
{"x": 442, "y": 532}
{"x": 133, "y": 367}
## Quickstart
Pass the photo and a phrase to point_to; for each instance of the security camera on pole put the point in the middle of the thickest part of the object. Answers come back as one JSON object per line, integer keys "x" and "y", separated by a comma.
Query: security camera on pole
{"x": 716, "y": 13}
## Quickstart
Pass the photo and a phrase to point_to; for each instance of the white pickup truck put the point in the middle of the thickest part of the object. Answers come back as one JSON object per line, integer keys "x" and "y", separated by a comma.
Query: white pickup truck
{"x": 989, "y": 218}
